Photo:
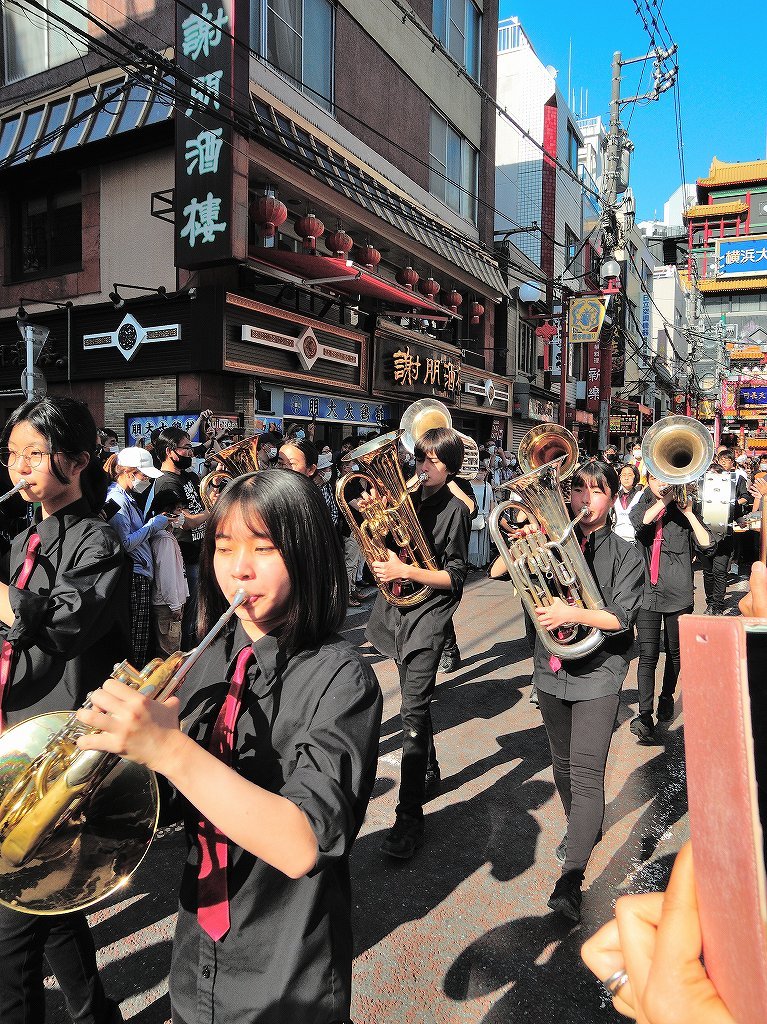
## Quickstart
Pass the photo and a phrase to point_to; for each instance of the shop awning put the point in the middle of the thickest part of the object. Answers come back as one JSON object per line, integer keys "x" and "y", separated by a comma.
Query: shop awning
{"x": 347, "y": 278}
{"x": 333, "y": 168}
{"x": 85, "y": 114}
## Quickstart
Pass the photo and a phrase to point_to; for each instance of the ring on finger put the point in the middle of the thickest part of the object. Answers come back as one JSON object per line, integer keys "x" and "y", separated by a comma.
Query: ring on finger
{"x": 615, "y": 982}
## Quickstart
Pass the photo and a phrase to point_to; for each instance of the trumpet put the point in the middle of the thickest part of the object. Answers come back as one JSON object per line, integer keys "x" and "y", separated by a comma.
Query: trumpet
{"x": 75, "y": 824}
{"x": 544, "y": 559}
{"x": 389, "y": 513}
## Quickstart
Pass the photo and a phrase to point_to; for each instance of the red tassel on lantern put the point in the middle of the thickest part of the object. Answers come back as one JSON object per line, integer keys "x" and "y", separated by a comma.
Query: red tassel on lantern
{"x": 339, "y": 243}
{"x": 309, "y": 229}
{"x": 408, "y": 278}
{"x": 370, "y": 257}
{"x": 454, "y": 300}
{"x": 429, "y": 287}
{"x": 269, "y": 213}
{"x": 477, "y": 310}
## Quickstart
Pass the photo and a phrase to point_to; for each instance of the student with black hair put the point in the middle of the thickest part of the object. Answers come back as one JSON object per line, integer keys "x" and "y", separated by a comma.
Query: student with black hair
{"x": 64, "y": 616}
{"x": 579, "y": 697}
{"x": 173, "y": 450}
{"x": 415, "y": 636}
{"x": 275, "y": 770}
{"x": 299, "y": 455}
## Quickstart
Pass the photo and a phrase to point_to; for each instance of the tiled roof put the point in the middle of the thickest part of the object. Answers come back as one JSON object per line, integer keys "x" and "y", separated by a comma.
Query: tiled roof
{"x": 715, "y": 210}
{"x": 740, "y": 284}
{"x": 721, "y": 173}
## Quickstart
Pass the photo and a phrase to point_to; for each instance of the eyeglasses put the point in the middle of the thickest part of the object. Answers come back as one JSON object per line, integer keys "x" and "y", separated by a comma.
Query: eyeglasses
{"x": 183, "y": 448}
{"x": 32, "y": 456}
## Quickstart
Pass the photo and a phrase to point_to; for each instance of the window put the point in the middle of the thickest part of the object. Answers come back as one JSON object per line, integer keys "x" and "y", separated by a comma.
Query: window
{"x": 46, "y": 233}
{"x": 571, "y": 252}
{"x": 458, "y": 26}
{"x": 573, "y": 144}
{"x": 278, "y": 31}
{"x": 34, "y": 43}
{"x": 452, "y": 168}
{"x": 526, "y": 349}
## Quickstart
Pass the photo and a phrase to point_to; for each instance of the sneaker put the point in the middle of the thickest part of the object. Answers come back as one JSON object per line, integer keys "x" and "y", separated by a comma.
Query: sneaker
{"x": 450, "y": 660}
{"x": 560, "y": 854}
{"x": 566, "y": 897}
{"x": 404, "y": 838}
{"x": 643, "y": 727}
{"x": 665, "y": 708}
{"x": 353, "y": 602}
{"x": 433, "y": 781}
{"x": 534, "y": 697}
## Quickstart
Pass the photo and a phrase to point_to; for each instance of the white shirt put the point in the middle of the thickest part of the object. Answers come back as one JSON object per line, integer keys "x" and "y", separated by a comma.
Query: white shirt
{"x": 623, "y": 527}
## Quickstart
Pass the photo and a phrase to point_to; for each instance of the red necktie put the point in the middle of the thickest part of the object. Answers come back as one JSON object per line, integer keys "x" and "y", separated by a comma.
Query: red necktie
{"x": 555, "y": 663}
{"x": 655, "y": 553}
{"x": 6, "y": 654}
{"x": 212, "y": 892}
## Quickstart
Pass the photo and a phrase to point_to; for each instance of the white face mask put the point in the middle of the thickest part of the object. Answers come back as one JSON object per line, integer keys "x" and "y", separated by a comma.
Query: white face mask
{"x": 326, "y": 474}
{"x": 741, "y": 459}
{"x": 272, "y": 453}
{"x": 763, "y": 466}
{"x": 355, "y": 467}
{"x": 637, "y": 453}
{"x": 140, "y": 485}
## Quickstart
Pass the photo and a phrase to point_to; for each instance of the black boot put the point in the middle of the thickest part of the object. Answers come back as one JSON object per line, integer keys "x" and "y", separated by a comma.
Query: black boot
{"x": 566, "y": 897}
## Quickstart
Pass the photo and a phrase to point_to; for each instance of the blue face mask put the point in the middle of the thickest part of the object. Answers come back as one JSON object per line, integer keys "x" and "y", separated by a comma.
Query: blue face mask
{"x": 300, "y": 435}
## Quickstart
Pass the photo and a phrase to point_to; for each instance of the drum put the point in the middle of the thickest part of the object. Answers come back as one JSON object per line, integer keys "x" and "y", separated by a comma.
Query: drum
{"x": 718, "y": 502}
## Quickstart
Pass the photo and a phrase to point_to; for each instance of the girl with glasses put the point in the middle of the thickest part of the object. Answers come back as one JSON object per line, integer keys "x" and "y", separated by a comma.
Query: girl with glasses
{"x": 64, "y": 618}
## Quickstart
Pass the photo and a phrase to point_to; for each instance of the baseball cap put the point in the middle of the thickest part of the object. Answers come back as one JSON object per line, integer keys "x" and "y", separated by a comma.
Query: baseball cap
{"x": 138, "y": 458}
{"x": 325, "y": 461}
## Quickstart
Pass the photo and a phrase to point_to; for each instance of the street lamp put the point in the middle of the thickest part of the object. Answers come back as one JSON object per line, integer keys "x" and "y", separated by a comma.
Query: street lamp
{"x": 118, "y": 301}
{"x": 22, "y": 317}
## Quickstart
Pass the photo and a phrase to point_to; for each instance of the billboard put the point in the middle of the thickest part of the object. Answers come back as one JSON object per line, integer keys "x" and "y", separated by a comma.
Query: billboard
{"x": 738, "y": 257}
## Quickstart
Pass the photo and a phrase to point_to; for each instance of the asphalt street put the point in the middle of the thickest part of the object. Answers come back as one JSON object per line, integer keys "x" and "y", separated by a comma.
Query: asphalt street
{"x": 461, "y": 934}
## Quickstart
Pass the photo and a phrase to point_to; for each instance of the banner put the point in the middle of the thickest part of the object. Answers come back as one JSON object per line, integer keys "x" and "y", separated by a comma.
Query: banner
{"x": 585, "y": 319}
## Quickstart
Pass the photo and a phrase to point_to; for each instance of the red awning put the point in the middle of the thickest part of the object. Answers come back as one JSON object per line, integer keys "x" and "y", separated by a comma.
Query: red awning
{"x": 347, "y": 278}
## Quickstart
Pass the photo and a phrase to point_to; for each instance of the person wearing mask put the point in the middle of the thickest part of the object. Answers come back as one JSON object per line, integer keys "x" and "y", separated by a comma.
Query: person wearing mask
{"x": 353, "y": 492}
{"x": 579, "y": 698}
{"x": 267, "y": 449}
{"x": 174, "y": 451}
{"x": 667, "y": 535}
{"x": 414, "y": 636}
{"x": 108, "y": 444}
{"x": 64, "y": 610}
{"x": 716, "y": 563}
{"x": 324, "y": 480}
{"x": 629, "y": 492}
{"x": 169, "y": 587}
{"x": 132, "y": 473}
{"x": 611, "y": 455}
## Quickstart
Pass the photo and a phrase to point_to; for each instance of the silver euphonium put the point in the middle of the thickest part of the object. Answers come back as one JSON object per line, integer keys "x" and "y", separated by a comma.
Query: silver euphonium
{"x": 544, "y": 559}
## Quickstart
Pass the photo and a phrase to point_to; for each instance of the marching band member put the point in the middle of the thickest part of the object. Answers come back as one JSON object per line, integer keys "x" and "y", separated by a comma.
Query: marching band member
{"x": 629, "y": 494}
{"x": 415, "y": 636}
{"x": 65, "y": 617}
{"x": 667, "y": 537}
{"x": 276, "y": 768}
{"x": 579, "y": 698}
{"x": 717, "y": 561}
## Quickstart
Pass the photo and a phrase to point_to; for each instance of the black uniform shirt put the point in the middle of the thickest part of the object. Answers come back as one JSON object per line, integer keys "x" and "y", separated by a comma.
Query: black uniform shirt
{"x": 675, "y": 587}
{"x": 185, "y": 486}
{"x": 308, "y": 729}
{"x": 617, "y": 571}
{"x": 399, "y": 632}
{"x": 71, "y": 620}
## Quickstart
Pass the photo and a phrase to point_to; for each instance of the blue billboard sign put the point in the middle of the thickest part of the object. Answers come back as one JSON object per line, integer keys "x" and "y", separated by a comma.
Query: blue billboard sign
{"x": 740, "y": 256}
{"x": 335, "y": 410}
{"x": 752, "y": 397}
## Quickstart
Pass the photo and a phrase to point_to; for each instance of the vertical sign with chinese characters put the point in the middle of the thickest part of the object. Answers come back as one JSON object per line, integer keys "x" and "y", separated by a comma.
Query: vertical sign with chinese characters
{"x": 207, "y": 201}
{"x": 592, "y": 378}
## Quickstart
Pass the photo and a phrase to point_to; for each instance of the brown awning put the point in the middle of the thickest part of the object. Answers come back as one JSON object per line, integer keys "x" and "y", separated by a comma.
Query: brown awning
{"x": 347, "y": 278}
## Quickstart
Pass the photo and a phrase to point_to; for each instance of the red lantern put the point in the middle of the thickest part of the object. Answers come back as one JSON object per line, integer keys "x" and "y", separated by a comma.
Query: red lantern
{"x": 429, "y": 287}
{"x": 477, "y": 310}
{"x": 454, "y": 300}
{"x": 370, "y": 257}
{"x": 339, "y": 243}
{"x": 309, "y": 228}
{"x": 408, "y": 278}
{"x": 269, "y": 213}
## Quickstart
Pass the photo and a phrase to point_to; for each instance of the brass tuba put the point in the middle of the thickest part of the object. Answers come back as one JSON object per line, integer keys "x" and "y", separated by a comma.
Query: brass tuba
{"x": 389, "y": 512}
{"x": 75, "y": 824}
{"x": 427, "y": 414}
{"x": 236, "y": 460}
{"x": 543, "y": 444}
{"x": 677, "y": 450}
{"x": 544, "y": 559}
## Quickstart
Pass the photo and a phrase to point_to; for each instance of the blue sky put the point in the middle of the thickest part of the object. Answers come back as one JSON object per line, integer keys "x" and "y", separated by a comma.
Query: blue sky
{"x": 723, "y": 90}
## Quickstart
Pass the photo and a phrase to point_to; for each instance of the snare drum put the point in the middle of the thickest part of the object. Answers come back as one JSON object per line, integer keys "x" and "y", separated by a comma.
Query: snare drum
{"x": 718, "y": 502}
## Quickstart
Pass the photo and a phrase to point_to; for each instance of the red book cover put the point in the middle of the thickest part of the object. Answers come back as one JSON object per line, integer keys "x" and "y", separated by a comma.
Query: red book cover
{"x": 724, "y": 685}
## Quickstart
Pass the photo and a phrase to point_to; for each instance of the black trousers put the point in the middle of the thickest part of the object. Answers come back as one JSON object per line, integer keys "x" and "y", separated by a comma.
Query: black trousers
{"x": 580, "y": 733}
{"x": 648, "y": 631}
{"x": 66, "y": 943}
{"x": 715, "y": 573}
{"x": 417, "y": 676}
{"x": 451, "y": 641}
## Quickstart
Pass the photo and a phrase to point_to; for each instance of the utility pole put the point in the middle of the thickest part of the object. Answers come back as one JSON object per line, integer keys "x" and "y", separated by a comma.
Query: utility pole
{"x": 615, "y": 182}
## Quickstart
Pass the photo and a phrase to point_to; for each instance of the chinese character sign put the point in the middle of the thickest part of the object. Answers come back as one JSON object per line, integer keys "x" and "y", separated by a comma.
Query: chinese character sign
{"x": 742, "y": 256}
{"x": 585, "y": 318}
{"x": 752, "y": 397}
{"x": 209, "y": 81}
{"x": 592, "y": 378}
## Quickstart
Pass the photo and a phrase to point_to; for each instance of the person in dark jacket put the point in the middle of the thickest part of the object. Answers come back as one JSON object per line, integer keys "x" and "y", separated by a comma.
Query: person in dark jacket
{"x": 415, "y": 636}
{"x": 64, "y": 615}
{"x": 579, "y": 697}
{"x": 667, "y": 535}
